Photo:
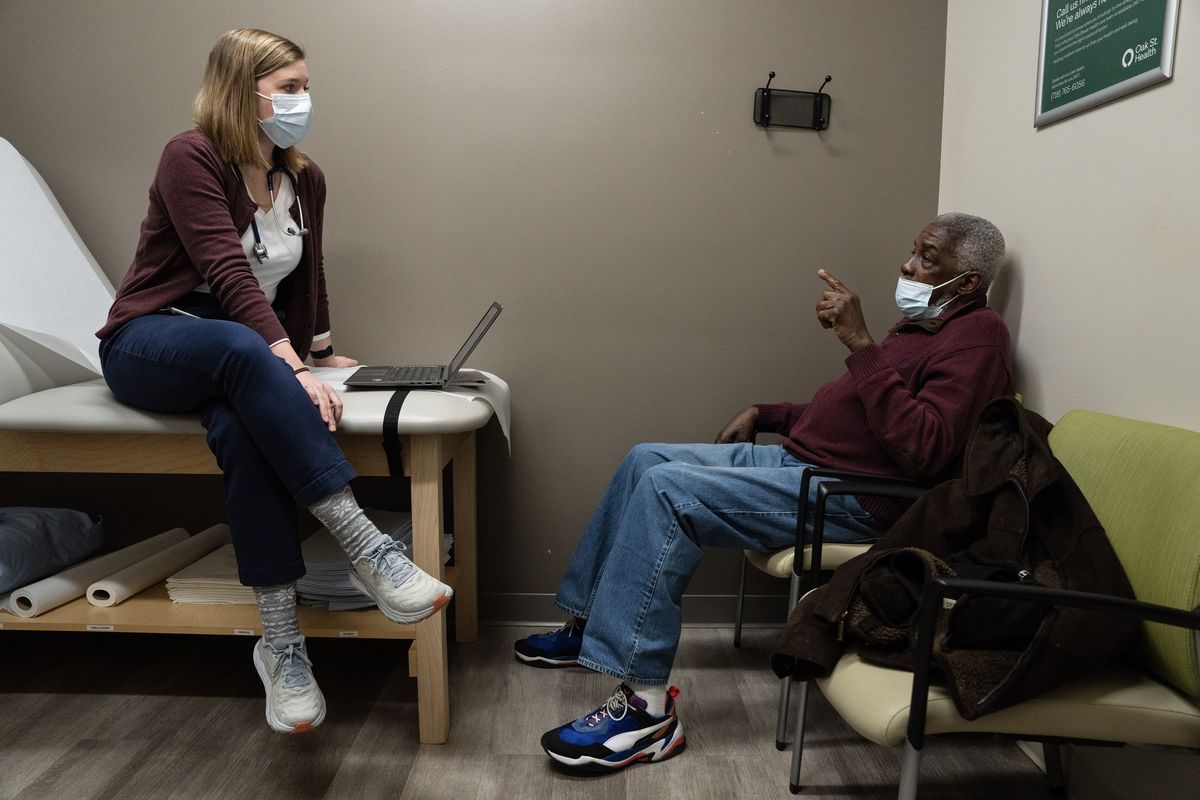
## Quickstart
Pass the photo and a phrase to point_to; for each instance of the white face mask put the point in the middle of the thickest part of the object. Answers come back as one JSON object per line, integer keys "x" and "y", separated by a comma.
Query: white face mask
{"x": 912, "y": 297}
{"x": 291, "y": 120}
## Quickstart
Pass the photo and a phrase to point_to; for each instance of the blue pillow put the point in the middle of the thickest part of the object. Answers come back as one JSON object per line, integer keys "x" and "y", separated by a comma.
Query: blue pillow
{"x": 36, "y": 542}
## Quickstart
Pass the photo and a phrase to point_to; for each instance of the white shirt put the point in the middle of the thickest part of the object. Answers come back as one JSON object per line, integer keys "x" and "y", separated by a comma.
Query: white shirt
{"x": 283, "y": 249}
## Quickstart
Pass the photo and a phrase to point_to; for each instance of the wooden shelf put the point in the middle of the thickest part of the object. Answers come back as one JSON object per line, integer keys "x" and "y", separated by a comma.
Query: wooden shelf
{"x": 426, "y": 454}
{"x": 152, "y": 611}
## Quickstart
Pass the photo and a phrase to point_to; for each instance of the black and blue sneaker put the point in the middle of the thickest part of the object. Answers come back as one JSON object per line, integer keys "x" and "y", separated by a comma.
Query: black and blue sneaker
{"x": 558, "y": 648}
{"x": 619, "y": 733}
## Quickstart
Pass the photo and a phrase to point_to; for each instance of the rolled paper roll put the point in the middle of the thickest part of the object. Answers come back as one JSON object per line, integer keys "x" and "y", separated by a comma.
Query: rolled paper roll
{"x": 52, "y": 592}
{"x": 120, "y": 586}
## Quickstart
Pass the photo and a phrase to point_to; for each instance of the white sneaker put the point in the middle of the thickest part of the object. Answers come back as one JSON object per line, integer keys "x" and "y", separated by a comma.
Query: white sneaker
{"x": 403, "y": 591}
{"x": 294, "y": 701}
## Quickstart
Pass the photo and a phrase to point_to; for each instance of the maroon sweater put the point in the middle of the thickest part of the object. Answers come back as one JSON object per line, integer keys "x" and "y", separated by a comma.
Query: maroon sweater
{"x": 192, "y": 234}
{"x": 906, "y": 405}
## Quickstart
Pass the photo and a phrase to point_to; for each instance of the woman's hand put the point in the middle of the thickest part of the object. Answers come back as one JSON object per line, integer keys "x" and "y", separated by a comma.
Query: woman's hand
{"x": 323, "y": 396}
{"x": 335, "y": 361}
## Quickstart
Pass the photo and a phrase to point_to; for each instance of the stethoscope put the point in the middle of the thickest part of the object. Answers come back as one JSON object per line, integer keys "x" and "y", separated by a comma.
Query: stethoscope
{"x": 260, "y": 249}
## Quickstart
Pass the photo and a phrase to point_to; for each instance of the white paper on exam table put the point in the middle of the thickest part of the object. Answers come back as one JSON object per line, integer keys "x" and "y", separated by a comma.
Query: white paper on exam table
{"x": 46, "y": 352}
{"x": 55, "y": 293}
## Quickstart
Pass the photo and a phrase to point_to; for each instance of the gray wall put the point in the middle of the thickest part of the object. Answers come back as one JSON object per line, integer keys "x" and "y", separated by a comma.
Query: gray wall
{"x": 593, "y": 165}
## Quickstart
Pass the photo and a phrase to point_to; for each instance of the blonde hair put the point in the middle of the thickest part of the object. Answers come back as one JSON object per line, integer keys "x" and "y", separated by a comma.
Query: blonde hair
{"x": 226, "y": 108}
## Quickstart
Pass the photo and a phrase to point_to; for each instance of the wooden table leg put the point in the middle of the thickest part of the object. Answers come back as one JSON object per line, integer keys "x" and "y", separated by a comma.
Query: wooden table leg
{"x": 466, "y": 597}
{"x": 433, "y": 688}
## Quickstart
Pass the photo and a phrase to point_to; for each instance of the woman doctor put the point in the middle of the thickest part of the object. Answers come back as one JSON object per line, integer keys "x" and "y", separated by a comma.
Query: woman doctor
{"x": 223, "y": 302}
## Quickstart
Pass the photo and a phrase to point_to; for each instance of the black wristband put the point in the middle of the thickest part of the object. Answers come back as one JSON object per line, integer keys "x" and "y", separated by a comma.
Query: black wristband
{"x": 326, "y": 353}
{"x": 298, "y": 370}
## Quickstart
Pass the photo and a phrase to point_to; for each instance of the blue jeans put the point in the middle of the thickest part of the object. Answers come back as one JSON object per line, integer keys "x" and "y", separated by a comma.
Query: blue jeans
{"x": 644, "y": 541}
{"x": 264, "y": 430}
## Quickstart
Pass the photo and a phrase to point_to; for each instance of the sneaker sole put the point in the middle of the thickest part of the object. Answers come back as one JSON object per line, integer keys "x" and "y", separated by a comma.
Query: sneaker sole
{"x": 399, "y": 616}
{"x": 544, "y": 662}
{"x": 276, "y": 724}
{"x": 654, "y": 754}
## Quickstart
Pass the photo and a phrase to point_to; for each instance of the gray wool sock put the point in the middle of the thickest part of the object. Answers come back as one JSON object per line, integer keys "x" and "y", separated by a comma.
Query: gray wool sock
{"x": 340, "y": 513}
{"x": 277, "y": 608}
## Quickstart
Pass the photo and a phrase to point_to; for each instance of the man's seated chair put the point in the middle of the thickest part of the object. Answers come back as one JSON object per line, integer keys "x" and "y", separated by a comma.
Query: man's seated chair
{"x": 1141, "y": 480}
{"x": 813, "y": 557}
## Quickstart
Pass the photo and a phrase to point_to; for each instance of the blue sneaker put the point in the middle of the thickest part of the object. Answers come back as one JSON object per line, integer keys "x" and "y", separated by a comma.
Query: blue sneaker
{"x": 619, "y": 733}
{"x": 559, "y": 648}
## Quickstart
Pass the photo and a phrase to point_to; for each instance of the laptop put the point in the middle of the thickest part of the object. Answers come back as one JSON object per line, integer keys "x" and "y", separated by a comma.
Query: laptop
{"x": 425, "y": 376}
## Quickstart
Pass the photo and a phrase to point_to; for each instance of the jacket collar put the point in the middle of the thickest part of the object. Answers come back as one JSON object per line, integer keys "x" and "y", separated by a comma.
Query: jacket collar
{"x": 937, "y": 323}
{"x": 1009, "y": 442}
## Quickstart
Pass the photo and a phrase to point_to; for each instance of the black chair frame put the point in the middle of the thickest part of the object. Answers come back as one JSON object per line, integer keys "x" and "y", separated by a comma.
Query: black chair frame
{"x": 833, "y": 482}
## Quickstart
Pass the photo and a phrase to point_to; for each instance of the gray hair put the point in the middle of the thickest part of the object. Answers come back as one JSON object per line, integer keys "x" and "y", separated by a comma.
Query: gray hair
{"x": 978, "y": 244}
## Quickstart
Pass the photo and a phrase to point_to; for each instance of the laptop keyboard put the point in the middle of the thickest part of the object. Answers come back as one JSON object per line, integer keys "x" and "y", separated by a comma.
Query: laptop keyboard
{"x": 421, "y": 374}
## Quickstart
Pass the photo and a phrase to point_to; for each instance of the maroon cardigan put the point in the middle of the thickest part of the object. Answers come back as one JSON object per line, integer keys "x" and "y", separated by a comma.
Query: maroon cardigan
{"x": 907, "y": 403}
{"x": 192, "y": 234}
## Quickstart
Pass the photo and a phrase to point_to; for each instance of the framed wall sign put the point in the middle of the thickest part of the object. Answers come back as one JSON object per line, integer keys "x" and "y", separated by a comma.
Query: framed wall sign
{"x": 1092, "y": 51}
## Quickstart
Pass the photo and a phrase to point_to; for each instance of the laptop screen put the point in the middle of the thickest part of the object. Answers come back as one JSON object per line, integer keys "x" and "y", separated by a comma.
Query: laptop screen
{"x": 464, "y": 352}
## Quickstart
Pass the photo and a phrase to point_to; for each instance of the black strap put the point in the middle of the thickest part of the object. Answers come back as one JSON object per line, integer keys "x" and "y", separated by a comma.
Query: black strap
{"x": 391, "y": 438}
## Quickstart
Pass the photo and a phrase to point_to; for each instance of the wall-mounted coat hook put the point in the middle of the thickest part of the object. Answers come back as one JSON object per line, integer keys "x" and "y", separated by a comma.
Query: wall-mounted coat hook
{"x": 788, "y": 108}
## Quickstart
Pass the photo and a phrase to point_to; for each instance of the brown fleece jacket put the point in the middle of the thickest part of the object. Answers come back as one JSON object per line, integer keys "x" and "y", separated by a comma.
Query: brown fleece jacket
{"x": 1016, "y": 502}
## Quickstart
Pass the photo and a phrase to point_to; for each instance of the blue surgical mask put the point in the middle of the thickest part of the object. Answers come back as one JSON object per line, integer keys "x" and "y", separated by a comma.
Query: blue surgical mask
{"x": 912, "y": 298}
{"x": 291, "y": 120}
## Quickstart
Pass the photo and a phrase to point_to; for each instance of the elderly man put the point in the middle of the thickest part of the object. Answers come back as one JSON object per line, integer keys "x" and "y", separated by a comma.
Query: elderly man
{"x": 904, "y": 407}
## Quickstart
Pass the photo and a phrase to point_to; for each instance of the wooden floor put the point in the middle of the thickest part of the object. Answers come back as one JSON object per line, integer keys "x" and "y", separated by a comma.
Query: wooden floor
{"x": 125, "y": 716}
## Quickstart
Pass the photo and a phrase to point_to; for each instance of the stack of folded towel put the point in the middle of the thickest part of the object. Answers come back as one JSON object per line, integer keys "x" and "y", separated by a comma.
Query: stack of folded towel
{"x": 213, "y": 579}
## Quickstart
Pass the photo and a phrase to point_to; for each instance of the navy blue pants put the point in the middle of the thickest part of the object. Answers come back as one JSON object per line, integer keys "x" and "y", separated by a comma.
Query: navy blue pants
{"x": 266, "y": 433}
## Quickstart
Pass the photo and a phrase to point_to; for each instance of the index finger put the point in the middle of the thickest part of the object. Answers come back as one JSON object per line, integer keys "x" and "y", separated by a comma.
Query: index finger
{"x": 833, "y": 282}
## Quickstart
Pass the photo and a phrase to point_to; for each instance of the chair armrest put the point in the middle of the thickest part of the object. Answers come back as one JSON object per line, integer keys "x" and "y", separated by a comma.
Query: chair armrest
{"x": 846, "y": 474}
{"x": 906, "y": 490}
{"x": 938, "y": 588}
{"x": 840, "y": 482}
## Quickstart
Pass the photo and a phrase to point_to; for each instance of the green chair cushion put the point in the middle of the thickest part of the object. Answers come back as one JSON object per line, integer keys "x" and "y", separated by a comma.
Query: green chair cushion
{"x": 1143, "y": 482}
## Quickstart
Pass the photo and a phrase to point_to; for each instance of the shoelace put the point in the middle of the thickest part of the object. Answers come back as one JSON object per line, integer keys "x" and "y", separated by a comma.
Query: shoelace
{"x": 618, "y": 701}
{"x": 567, "y": 627}
{"x": 294, "y": 665}
{"x": 389, "y": 560}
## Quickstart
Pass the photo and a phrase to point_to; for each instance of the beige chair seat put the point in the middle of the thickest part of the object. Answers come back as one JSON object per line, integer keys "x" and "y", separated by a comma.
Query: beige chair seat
{"x": 1116, "y": 704}
{"x": 779, "y": 562}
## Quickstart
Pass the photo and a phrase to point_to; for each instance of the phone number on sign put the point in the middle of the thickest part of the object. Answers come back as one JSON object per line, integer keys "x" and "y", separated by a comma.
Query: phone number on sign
{"x": 1068, "y": 89}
